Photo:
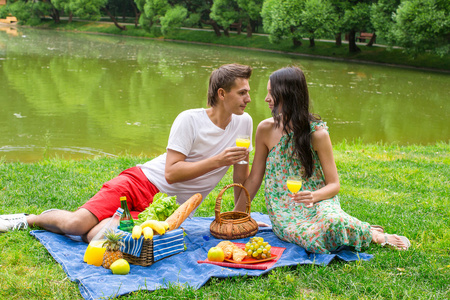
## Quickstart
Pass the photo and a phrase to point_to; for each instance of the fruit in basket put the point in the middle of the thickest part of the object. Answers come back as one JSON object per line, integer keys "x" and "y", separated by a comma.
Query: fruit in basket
{"x": 258, "y": 249}
{"x": 216, "y": 254}
{"x": 166, "y": 225}
{"x": 148, "y": 233}
{"x": 136, "y": 232}
{"x": 112, "y": 245}
{"x": 155, "y": 225}
{"x": 120, "y": 267}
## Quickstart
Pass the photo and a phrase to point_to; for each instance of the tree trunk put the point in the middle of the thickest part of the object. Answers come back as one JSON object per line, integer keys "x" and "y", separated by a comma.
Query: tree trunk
{"x": 214, "y": 26}
{"x": 338, "y": 39}
{"x": 114, "y": 20}
{"x": 297, "y": 42}
{"x": 249, "y": 29}
{"x": 226, "y": 31}
{"x": 239, "y": 29}
{"x": 372, "y": 40}
{"x": 55, "y": 16}
{"x": 70, "y": 17}
{"x": 352, "y": 42}
{"x": 137, "y": 13}
{"x": 312, "y": 43}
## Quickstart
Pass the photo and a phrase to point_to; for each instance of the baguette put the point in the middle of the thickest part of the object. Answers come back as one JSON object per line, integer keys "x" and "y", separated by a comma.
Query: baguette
{"x": 184, "y": 211}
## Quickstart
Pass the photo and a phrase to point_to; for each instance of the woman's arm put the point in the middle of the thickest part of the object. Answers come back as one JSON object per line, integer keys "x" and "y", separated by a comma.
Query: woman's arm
{"x": 253, "y": 182}
{"x": 321, "y": 143}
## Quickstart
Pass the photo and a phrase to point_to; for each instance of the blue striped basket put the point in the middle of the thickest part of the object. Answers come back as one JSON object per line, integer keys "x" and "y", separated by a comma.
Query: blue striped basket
{"x": 144, "y": 252}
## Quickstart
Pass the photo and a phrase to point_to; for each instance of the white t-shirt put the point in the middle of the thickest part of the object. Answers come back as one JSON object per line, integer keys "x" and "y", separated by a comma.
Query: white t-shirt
{"x": 197, "y": 137}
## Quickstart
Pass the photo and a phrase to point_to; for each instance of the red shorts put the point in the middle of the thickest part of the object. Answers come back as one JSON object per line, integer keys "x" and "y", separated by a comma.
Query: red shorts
{"x": 131, "y": 183}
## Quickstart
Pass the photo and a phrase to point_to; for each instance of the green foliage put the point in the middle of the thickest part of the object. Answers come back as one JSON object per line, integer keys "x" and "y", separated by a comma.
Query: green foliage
{"x": 381, "y": 16}
{"x": 422, "y": 25}
{"x": 173, "y": 18}
{"x": 29, "y": 12}
{"x": 317, "y": 17}
{"x": 357, "y": 18}
{"x": 280, "y": 19}
{"x": 225, "y": 12}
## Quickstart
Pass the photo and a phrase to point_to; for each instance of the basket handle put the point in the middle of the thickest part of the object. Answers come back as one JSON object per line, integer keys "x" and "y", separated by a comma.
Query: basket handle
{"x": 219, "y": 200}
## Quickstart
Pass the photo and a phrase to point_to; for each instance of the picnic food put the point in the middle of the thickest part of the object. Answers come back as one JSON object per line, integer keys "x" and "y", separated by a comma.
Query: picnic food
{"x": 184, "y": 211}
{"x": 257, "y": 248}
{"x": 120, "y": 267}
{"x": 155, "y": 225}
{"x": 238, "y": 254}
{"x": 216, "y": 254}
{"x": 148, "y": 233}
{"x": 231, "y": 251}
{"x": 160, "y": 209}
{"x": 136, "y": 232}
{"x": 112, "y": 245}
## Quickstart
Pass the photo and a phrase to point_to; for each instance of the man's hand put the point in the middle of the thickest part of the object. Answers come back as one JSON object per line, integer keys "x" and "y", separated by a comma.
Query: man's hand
{"x": 232, "y": 155}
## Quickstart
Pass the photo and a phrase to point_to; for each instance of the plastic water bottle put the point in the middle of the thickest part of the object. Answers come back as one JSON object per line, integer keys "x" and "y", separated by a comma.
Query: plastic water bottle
{"x": 95, "y": 250}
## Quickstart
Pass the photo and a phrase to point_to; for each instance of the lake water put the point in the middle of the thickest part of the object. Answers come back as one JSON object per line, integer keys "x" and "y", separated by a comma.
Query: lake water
{"x": 78, "y": 95}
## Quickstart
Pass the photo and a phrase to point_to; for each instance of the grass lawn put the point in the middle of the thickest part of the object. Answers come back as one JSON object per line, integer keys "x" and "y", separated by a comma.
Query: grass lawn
{"x": 405, "y": 189}
{"x": 322, "y": 49}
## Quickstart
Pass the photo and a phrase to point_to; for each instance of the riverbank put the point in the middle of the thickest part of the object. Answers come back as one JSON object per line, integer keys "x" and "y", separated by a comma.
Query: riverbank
{"x": 405, "y": 189}
{"x": 380, "y": 55}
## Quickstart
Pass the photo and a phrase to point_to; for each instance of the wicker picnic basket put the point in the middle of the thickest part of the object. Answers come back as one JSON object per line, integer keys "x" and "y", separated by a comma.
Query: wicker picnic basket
{"x": 146, "y": 258}
{"x": 233, "y": 224}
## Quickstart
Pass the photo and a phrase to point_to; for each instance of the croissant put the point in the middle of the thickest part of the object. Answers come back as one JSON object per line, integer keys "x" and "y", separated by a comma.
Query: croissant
{"x": 238, "y": 254}
{"x": 227, "y": 248}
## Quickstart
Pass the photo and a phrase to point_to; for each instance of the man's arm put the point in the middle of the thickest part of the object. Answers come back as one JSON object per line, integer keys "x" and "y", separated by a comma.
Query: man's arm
{"x": 177, "y": 169}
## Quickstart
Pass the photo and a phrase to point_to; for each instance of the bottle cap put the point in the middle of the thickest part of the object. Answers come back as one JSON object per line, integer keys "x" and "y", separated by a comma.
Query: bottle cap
{"x": 120, "y": 210}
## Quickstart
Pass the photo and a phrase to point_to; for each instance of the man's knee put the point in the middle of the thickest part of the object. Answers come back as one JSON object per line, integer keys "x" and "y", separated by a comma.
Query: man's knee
{"x": 80, "y": 222}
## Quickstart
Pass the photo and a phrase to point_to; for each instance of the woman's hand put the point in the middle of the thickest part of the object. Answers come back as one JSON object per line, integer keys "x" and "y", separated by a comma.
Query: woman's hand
{"x": 305, "y": 197}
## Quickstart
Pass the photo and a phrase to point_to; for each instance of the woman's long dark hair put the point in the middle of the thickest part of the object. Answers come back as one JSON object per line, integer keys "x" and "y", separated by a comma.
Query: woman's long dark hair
{"x": 291, "y": 107}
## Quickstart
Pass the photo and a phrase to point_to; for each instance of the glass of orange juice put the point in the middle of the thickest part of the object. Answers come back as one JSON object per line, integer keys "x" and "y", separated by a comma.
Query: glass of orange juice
{"x": 243, "y": 141}
{"x": 94, "y": 253}
{"x": 294, "y": 184}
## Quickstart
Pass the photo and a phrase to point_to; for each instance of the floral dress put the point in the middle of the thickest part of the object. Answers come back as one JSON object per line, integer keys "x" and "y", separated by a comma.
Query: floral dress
{"x": 319, "y": 229}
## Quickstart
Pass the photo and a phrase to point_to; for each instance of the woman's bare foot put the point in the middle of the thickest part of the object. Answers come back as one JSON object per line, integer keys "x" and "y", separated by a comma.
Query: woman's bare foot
{"x": 393, "y": 240}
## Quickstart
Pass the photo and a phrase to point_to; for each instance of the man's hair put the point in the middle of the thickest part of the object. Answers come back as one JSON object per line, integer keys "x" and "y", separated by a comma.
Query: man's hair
{"x": 224, "y": 77}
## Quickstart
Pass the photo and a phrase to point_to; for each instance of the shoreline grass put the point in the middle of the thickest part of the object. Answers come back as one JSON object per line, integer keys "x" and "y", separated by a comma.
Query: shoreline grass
{"x": 322, "y": 50}
{"x": 403, "y": 188}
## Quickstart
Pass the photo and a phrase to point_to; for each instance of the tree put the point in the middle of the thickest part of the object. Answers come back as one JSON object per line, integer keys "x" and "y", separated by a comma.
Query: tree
{"x": 225, "y": 13}
{"x": 381, "y": 16}
{"x": 317, "y": 18}
{"x": 356, "y": 18}
{"x": 281, "y": 20}
{"x": 423, "y": 25}
{"x": 161, "y": 12}
{"x": 251, "y": 12}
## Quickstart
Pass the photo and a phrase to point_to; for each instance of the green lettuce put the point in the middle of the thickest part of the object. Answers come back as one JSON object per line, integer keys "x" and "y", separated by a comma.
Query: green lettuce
{"x": 162, "y": 207}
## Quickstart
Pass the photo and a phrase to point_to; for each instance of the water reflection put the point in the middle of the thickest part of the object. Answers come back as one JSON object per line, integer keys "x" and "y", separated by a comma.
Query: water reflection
{"x": 78, "y": 95}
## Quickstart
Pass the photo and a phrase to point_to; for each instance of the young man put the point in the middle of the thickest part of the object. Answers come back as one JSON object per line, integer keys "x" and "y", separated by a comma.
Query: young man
{"x": 200, "y": 150}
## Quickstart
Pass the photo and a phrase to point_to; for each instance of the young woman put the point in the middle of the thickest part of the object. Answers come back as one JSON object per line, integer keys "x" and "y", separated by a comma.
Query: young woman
{"x": 295, "y": 142}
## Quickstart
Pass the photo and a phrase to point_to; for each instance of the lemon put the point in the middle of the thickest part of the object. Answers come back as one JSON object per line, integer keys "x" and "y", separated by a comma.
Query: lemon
{"x": 120, "y": 267}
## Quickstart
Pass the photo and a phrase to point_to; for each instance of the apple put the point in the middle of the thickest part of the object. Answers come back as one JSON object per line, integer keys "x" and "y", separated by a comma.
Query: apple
{"x": 216, "y": 254}
{"x": 120, "y": 267}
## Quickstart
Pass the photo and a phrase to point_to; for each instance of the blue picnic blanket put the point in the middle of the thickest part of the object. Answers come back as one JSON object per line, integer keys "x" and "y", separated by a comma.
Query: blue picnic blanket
{"x": 179, "y": 269}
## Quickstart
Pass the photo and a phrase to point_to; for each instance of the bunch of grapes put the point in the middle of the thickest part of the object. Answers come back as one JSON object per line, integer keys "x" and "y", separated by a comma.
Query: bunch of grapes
{"x": 258, "y": 249}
